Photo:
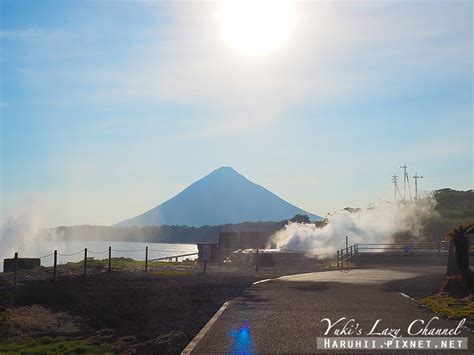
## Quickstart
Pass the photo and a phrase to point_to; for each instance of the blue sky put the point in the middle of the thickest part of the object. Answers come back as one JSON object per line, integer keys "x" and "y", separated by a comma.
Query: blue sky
{"x": 110, "y": 108}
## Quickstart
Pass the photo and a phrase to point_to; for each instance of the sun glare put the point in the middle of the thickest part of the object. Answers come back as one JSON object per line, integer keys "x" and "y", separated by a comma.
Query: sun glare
{"x": 256, "y": 27}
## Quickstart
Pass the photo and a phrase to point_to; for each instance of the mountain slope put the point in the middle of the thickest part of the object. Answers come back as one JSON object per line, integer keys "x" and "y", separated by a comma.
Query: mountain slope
{"x": 223, "y": 196}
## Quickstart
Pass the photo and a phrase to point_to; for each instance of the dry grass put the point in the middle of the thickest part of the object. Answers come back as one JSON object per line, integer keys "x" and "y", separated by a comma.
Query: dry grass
{"x": 451, "y": 307}
{"x": 38, "y": 320}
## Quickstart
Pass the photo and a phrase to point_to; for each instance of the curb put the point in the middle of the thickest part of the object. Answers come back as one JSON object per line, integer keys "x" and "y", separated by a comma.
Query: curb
{"x": 192, "y": 345}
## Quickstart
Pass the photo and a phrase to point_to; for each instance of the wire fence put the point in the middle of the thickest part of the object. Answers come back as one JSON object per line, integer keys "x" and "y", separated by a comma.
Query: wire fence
{"x": 86, "y": 260}
{"x": 82, "y": 257}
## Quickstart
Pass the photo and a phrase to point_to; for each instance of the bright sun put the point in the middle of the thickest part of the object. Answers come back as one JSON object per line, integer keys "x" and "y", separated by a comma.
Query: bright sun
{"x": 256, "y": 27}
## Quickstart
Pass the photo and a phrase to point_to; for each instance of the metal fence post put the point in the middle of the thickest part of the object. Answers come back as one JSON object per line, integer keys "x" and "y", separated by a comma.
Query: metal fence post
{"x": 338, "y": 260}
{"x": 15, "y": 269}
{"x": 85, "y": 262}
{"x": 110, "y": 259}
{"x": 256, "y": 262}
{"x": 146, "y": 259}
{"x": 55, "y": 264}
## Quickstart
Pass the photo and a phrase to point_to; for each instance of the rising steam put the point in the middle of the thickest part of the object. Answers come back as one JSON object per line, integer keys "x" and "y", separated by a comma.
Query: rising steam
{"x": 377, "y": 224}
{"x": 21, "y": 230}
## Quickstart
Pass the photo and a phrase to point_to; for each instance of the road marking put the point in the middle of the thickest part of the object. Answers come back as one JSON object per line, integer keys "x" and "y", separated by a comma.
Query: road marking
{"x": 192, "y": 345}
{"x": 261, "y": 281}
{"x": 406, "y": 296}
{"x": 283, "y": 277}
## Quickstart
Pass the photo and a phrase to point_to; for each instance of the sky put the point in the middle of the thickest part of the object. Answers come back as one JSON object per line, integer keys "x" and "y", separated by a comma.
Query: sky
{"x": 109, "y": 108}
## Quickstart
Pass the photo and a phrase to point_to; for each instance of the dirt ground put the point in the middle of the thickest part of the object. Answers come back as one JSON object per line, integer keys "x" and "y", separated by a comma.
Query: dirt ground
{"x": 155, "y": 312}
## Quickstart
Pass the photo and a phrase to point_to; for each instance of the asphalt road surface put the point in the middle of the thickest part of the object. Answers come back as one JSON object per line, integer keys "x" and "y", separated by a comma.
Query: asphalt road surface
{"x": 285, "y": 315}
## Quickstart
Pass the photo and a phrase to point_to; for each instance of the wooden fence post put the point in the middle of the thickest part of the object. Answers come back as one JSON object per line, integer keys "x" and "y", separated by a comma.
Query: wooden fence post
{"x": 110, "y": 259}
{"x": 256, "y": 262}
{"x": 146, "y": 259}
{"x": 15, "y": 269}
{"x": 205, "y": 266}
{"x": 55, "y": 264}
{"x": 338, "y": 260}
{"x": 85, "y": 262}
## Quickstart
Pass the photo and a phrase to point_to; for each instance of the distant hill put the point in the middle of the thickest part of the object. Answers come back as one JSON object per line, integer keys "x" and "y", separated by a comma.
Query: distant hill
{"x": 160, "y": 234}
{"x": 454, "y": 208}
{"x": 455, "y": 204}
{"x": 224, "y": 196}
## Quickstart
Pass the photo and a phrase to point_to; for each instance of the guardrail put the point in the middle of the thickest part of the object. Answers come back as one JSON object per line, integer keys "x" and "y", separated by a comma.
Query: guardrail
{"x": 346, "y": 254}
{"x": 170, "y": 258}
{"x": 404, "y": 248}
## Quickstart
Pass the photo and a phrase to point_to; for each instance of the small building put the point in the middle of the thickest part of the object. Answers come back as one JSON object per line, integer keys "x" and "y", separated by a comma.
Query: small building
{"x": 252, "y": 240}
{"x": 211, "y": 248}
{"x": 229, "y": 242}
{"x": 23, "y": 264}
{"x": 232, "y": 241}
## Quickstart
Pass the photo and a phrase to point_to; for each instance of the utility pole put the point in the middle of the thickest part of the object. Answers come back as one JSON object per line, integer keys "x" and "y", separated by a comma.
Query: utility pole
{"x": 396, "y": 188}
{"x": 416, "y": 177}
{"x": 405, "y": 175}
{"x": 395, "y": 185}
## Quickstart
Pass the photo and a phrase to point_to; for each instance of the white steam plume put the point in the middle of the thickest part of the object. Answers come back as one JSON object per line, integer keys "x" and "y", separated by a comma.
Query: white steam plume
{"x": 377, "y": 224}
{"x": 21, "y": 229}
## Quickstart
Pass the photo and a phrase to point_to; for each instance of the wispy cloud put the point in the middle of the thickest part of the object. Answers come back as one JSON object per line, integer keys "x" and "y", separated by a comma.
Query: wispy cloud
{"x": 334, "y": 53}
{"x": 330, "y": 56}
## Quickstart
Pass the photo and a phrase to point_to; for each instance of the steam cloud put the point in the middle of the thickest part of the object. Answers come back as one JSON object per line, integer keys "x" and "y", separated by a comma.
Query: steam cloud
{"x": 21, "y": 230}
{"x": 377, "y": 224}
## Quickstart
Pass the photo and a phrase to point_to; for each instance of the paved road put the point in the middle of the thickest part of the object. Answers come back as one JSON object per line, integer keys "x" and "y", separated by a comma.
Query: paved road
{"x": 284, "y": 315}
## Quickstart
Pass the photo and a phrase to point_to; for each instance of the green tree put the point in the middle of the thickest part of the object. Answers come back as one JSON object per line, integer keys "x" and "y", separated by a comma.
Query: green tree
{"x": 300, "y": 218}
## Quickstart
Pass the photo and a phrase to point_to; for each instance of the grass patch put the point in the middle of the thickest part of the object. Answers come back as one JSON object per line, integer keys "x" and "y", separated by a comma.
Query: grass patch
{"x": 332, "y": 265}
{"x": 451, "y": 307}
{"x": 116, "y": 263}
{"x": 128, "y": 263}
{"x": 60, "y": 345}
